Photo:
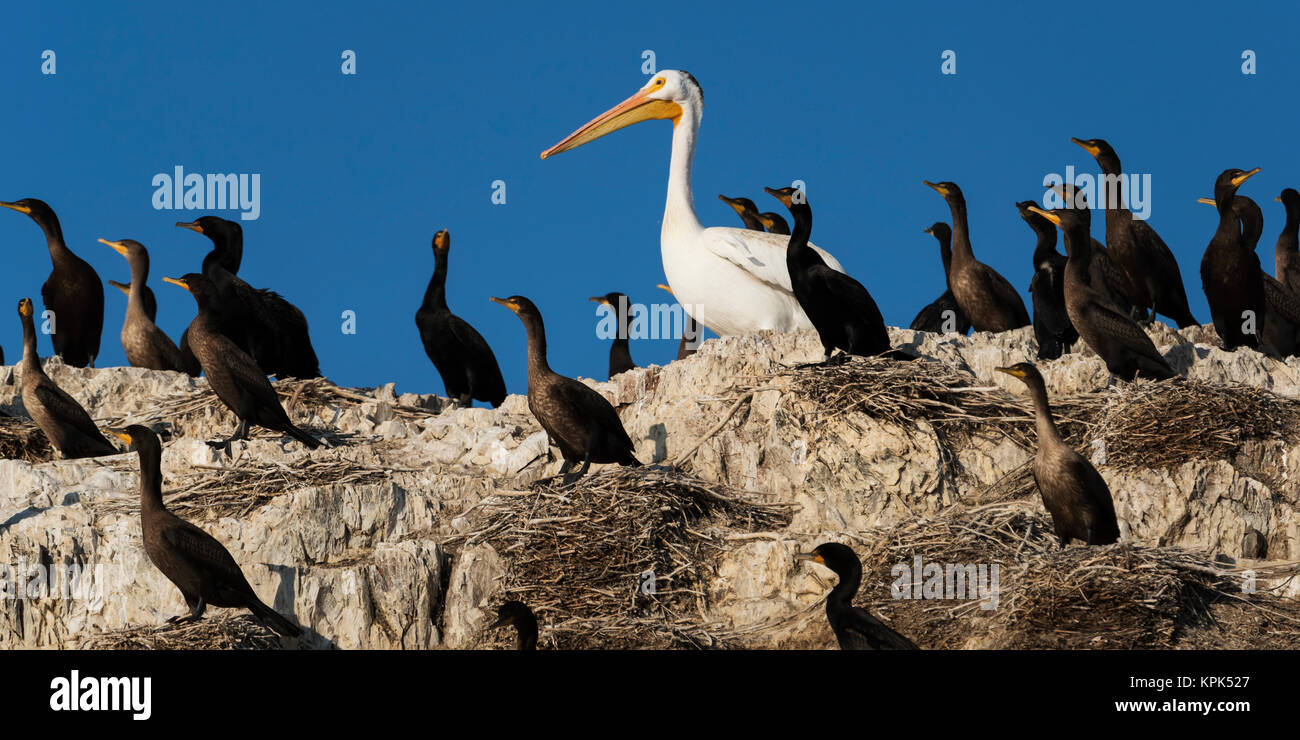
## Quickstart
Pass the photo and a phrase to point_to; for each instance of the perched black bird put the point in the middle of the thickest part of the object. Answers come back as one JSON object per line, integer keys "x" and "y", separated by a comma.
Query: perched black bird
{"x": 1108, "y": 330}
{"x": 944, "y": 313}
{"x": 1074, "y": 493}
{"x": 194, "y": 560}
{"x": 146, "y": 345}
{"x": 232, "y": 373}
{"x": 1282, "y": 319}
{"x": 271, "y": 328}
{"x": 986, "y": 297}
{"x": 1154, "y": 278}
{"x": 1231, "y": 274}
{"x": 839, "y": 307}
{"x": 579, "y": 420}
{"x": 1286, "y": 255}
{"x": 516, "y": 614}
{"x": 462, "y": 357}
{"x": 854, "y": 627}
{"x": 745, "y": 208}
{"x": 148, "y": 301}
{"x": 1052, "y": 327}
{"x": 620, "y": 355}
{"x": 60, "y": 417}
{"x": 774, "y": 223}
{"x": 73, "y": 292}
{"x": 690, "y": 340}
{"x": 1104, "y": 276}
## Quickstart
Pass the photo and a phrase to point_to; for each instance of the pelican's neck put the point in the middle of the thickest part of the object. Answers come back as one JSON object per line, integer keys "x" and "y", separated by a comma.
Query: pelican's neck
{"x": 679, "y": 211}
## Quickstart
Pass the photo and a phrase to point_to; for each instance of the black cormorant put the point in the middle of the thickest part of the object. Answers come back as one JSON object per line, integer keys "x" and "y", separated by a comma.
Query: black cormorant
{"x": 854, "y": 627}
{"x": 146, "y": 345}
{"x": 232, "y": 374}
{"x": 73, "y": 291}
{"x": 1074, "y": 493}
{"x": 944, "y": 313}
{"x": 1052, "y": 327}
{"x": 774, "y": 223}
{"x": 516, "y": 614}
{"x": 276, "y": 333}
{"x": 1109, "y": 331}
{"x": 745, "y": 208}
{"x": 620, "y": 356}
{"x": 192, "y": 559}
{"x": 66, "y": 424}
{"x": 1107, "y": 278}
{"x": 462, "y": 357}
{"x": 986, "y": 297}
{"x": 1286, "y": 255}
{"x": 839, "y": 307}
{"x": 579, "y": 420}
{"x": 1231, "y": 274}
{"x": 1154, "y": 279}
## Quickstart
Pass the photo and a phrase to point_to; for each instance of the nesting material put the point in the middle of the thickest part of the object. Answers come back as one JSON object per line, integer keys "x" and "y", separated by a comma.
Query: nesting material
{"x": 576, "y": 554}
{"x": 21, "y": 439}
{"x": 227, "y": 631}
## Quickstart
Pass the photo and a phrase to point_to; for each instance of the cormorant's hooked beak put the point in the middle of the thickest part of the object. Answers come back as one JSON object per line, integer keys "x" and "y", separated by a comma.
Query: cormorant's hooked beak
{"x": 121, "y": 434}
{"x": 640, "y": 107}
{"x": 814, "y": 557}
{"x": 177, "y": 281}
{"x": 600, "y": 299}
{"x": 1013, "y": 372}
{"x": 25, "y": 308}
{"x": 1046, "y": 214}
{"x": 1239, "y": 179}
{"x": 16, "y": 207}
{"x": 124, "y": 287}
{"x": 1092, "y": 149}
{"x": 1207, "y": 201}
{"x": 929, "y": 230}
{"x": 735, "y": 204}
{"x": 191, "y": 225}
{"x": 508, "y": 304}
{"x": 785, "y": 197}
{"x": 1278, "y": 198}
{"x": 661, "y": 286}
{"x": 115, "y": 245}
{"x": 502, "y": 622}
{"x": 941, "y": 190}
{"x": 441, "y": 239}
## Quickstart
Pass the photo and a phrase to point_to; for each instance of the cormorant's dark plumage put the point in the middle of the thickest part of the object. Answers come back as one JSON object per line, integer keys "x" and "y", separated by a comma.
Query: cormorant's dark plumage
{"x": 1286, "y": 255}
{"x": 232, "y": 373}
{"x": 1074, "y": 493}
{"x": 148, "y": 300}
{"x": 64, "y": 421}
{"x": 579, "y": 420}
{"x": 271, "y": 328}
{"x": 146, "y": 345}
{"x": 1154, "y": 278}
{"x": 1231, "y": 274}
{"x": 516, "y": 614}
{"x": 745, "y": 208}
{"x": 461, "y": 355}
{"x": 854, "y": 627}
{"x": 1052, "y": 325}
{"x": 1104, "y": 276}
{"x": 690, "y": 331}
{"x": 73, "y": 291}
{"x": 1109, "y": 331}
{"x": 987, "y": 299}
{"x": 620, "y": 355}
{"x": 839, "y": 307}
{"x": 192, "y": 559}
{"x": 944, "y": 310}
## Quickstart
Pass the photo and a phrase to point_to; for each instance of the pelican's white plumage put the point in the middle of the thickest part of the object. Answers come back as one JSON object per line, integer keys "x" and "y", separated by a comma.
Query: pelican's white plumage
{"x": 734, "y": 281}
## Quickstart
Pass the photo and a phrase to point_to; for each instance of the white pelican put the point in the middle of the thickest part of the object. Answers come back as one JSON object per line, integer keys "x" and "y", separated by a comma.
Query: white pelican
{"x": 733, "y": 281}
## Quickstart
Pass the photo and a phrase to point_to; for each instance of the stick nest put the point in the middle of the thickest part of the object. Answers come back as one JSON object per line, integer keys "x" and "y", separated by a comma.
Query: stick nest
{"x": 1116, "y": 596}
{"x": 1142, "y": 425}
{"x": 227, "y": 631}
{"x": 575, "y": 554}
{"x": 21, "y": 439}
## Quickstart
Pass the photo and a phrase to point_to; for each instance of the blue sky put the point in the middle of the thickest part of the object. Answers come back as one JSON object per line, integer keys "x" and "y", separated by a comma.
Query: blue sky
{"x": 358, "y": 172}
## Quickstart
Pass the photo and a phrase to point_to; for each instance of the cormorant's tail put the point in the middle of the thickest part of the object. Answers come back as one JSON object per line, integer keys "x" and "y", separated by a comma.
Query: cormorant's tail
{"x": 298, "y": 434}
{"x": 274, "y": 619}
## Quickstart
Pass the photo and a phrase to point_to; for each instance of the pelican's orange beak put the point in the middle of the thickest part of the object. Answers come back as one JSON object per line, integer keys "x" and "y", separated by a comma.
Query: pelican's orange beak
{"x": 640, "y": 107}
